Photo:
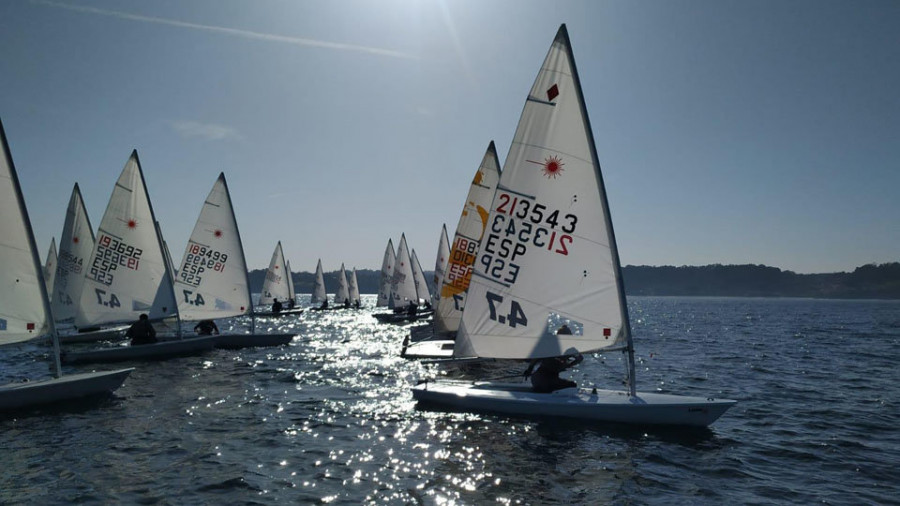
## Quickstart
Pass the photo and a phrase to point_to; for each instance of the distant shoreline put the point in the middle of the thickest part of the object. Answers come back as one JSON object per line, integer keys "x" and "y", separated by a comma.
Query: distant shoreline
{"x": 867, "y": 282}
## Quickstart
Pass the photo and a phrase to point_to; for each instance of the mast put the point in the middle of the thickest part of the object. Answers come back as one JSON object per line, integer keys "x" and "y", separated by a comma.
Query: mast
{"x": 614, "y": 249}
{"x": 243, "y": 260}
{"x": 38, "y": 268}
{"x": 159, "y": 241}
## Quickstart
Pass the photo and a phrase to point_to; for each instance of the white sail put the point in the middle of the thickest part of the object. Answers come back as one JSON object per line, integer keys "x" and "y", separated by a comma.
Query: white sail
{"x": 387, "y": 275}
{"x": 24, "y": 311}
{"x": 318, "y": 295}
{"x": 440, "y": 264}
{"x": 290, "y": 280}
{"x": 127, "y": 274}
{"x": 354, "y": 288}
{"x": 422, "y": 291}
{"x": 343, "y": 291}
{"x": 75, "y": 247}
{"x": 50, "y": 267}
{"x": 275, "y": 285}
{"x": 212, "y": 277}
{"x": 466, "y": 241}
{"x": 403, "y": 286}
{"x": 549, "y": 255}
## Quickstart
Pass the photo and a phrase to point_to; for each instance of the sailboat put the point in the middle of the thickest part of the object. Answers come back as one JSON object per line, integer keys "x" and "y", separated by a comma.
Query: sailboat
{"x": 129, "y": 274}
{"x": 25, "y": 308}
{"x": 50, "y": 267}
{"x": 422, "y": 292}
{"x": 212, "y": 281}
{"x": 355, "y": 300}
{"x": 548, "y": 281}
{"x": 75, "y": 247}
{"x": 437, "y": 342}
{"x": 387, "y": 274}
{"x": 318, "y": 294}
{"x": 440, "y": 265}
{"x": 342, "y": 296}
{"x": 292, "y": 296}
{"x": 403, "y": 289}
{"x": 276, "y": 285}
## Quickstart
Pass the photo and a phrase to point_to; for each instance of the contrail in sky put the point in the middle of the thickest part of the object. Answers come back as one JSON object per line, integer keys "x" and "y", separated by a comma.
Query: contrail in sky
{"x": 232, "y": 31}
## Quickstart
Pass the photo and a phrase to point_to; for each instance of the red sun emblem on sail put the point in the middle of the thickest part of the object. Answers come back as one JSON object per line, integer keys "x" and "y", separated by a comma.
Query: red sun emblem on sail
{"x": 217, "y": 233}
{"x": 75, "y": 240}
{"x": 132, "y": 223}
{"x": 552, "y": 166}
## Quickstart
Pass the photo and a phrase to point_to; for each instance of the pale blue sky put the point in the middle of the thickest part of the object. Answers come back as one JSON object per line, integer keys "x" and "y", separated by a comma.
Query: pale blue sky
{"x": 728, "y": 132}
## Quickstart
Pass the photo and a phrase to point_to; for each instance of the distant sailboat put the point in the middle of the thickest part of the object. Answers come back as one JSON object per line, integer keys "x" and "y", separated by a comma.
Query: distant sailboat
{"x": 387, "y": 275}
{"x": 422, "y": 292}
{"x": 212, "y": 281}
{"x": 277, "y": 285}
{"x": 440, "y": 265}
{"x": 355, "y": 300}
{"x": 548, "y": 281}
{"x": 50, "y": 267}
{"x": 290, "y": 280}
{"x": 318, "y": 294}
{"x": 25, "y": 308}
{"x": 75, "y": 247}
{"x": 342, "y": 296}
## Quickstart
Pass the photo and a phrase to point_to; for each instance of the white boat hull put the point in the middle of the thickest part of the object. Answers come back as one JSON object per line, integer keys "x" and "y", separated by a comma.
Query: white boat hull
{"x": 284, "y": 312}
{"x": 69, "y": 387}
{"x": 105, "y": 334}
{"x": 583, "y": 404}
{"x": 429, "y": 348}
{"x": 156, "y": 351}
{"x": 235, "y": 341}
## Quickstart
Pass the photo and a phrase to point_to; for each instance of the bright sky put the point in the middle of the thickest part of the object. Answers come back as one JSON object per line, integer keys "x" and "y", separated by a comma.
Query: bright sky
{"x": 730, "y": 132}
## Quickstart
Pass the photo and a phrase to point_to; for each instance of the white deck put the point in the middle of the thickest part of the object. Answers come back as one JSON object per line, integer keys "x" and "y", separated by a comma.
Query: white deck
{"x": 583, "y": 404}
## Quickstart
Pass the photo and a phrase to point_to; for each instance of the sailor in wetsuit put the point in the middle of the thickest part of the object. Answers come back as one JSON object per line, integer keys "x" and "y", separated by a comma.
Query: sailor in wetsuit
{"x": 141, "y": 331}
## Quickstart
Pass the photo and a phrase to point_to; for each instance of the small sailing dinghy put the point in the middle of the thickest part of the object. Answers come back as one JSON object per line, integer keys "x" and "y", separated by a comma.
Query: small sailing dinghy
{"x": 550, "y": 260}
{"x": 387, "y": 274}
{"x": 353, "y": 285}
{"x": 212, "y": 281}
{"x": 319, "y": 296}
{"x": 276, "y": 286}
{"x": 129, "y": 274}
{"x": 25, "y": 312}
{"x": 50, "y": 268}
{"x": 342, "y": 296}
{"x": 437, "y": 341}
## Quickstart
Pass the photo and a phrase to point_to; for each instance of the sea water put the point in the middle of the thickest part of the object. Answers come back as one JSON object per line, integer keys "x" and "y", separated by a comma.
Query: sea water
{"x": 330, "y": 419}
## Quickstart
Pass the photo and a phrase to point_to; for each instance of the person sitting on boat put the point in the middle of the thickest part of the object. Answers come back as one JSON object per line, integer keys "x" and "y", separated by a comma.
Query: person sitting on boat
{"x": 141, "y": 331}
{"x": 291, "y": 303}
{"x": 276, "y": 306}
{"x": 546, "y": 378}
{"x": 346, "y": 303}
{"x": 206, "y": 328}
{"x": 411, "y": 308}
{"x": 356, "y": 304}
{"x": 324, "y": 305}
{"x": 427, "y": 305}
{"x": 564, "y": 330}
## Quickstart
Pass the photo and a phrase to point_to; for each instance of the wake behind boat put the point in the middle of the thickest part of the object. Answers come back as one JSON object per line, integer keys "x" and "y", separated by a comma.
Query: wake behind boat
{"x": 548, "y": 281}
{"x": 25, "y": 311}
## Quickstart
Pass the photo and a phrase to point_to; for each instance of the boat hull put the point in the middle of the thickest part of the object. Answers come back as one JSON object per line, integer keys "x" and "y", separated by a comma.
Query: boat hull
{"x": 156, "y": 351}
{"x": 69, "y": 387}
{"x": 582, "y": 404}
{"x": 429, "y": 348}
{"x": 236, "y": 341}
{"x": 105, "y": 334}
{"x": 285, "y": 312}
{"x": 401, "y": 317}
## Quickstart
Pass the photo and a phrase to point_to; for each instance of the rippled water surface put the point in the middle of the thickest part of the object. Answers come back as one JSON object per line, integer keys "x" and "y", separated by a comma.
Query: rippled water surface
{"x": 330, "y": 419}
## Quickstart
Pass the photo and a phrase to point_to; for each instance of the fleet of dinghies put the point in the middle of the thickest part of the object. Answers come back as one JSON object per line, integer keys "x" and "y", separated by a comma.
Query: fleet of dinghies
{"x": 531, "y": 273}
